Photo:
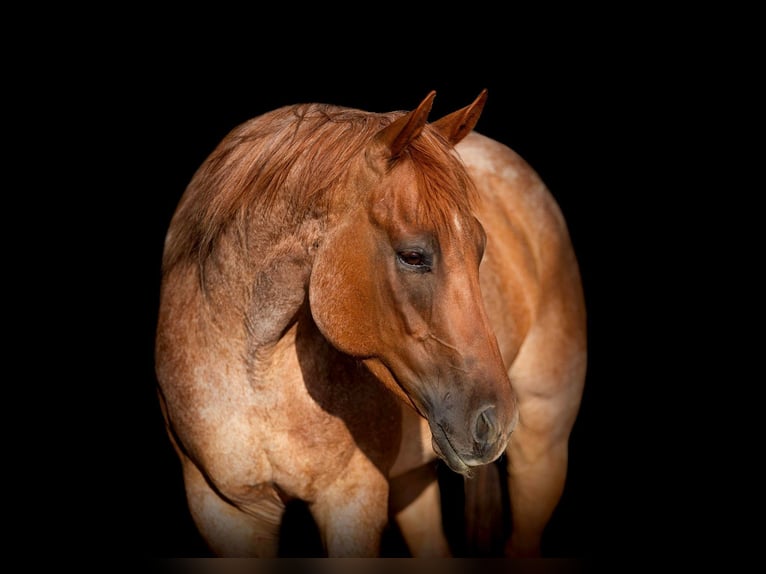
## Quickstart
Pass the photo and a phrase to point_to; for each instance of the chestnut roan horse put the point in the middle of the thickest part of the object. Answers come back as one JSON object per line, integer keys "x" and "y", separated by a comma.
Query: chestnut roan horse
{"x": 347, "y": 295}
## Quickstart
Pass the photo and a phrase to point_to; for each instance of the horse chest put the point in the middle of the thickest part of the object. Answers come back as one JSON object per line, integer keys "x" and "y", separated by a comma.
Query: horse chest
{"x": 314, "y": 409}
{"x": 415, "y": 448}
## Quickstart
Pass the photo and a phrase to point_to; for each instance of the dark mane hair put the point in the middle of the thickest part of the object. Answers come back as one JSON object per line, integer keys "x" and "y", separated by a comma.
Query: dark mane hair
{"x": 295, "y": 156}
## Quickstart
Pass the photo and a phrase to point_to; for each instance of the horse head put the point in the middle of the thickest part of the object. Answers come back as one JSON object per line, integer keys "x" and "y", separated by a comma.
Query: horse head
{"x": 395, "y": 283}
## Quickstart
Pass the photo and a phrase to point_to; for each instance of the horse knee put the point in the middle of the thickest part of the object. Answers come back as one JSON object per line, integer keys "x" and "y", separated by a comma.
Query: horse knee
{"x": 231, "y": 525}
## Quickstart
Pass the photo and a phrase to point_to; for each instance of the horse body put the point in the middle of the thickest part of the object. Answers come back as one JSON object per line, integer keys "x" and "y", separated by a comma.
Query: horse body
{"x": 533, "y": 294}
{"x": 326, "y": 338}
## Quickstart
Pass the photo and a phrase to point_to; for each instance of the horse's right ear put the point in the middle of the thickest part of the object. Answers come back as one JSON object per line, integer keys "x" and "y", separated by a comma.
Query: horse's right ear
{"x": 395, "y": 137}
{"x": 459, "y": 124}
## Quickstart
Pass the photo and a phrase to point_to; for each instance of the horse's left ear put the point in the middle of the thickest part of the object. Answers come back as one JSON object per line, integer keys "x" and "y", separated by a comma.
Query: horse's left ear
{"x": 459, "y": 124}
{"x": 397, "y": 135}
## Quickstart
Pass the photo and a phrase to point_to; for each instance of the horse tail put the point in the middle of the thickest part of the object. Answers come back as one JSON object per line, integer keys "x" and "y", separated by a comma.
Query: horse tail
{"x": 486, "y": 510}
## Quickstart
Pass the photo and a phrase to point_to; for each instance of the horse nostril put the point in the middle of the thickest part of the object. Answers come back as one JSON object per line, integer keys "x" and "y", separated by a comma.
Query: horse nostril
{"x": 486, "y": 422}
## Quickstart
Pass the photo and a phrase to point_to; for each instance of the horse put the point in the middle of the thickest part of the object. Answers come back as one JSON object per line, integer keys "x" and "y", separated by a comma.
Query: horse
{"x": 349, "y": 297}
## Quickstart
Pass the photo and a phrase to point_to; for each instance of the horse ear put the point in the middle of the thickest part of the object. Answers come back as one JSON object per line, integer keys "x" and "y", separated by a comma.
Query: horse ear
{"x": 459, "y": 124}
{"x": 397, "y": 135}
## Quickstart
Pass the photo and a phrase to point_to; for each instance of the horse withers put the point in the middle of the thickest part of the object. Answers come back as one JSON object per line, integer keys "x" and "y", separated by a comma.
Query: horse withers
{"x": 347, "y": 296}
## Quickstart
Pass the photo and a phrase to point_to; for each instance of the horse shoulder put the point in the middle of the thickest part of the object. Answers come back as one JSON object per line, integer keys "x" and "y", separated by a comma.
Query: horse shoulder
{"x": 247, "y": 416}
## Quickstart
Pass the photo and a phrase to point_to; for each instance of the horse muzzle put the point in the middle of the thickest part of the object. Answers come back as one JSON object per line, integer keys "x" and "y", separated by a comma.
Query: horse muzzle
{"x": 480, "y": 442}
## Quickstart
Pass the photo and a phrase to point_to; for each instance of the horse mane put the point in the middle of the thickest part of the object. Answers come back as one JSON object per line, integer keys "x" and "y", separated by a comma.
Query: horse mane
{"x": 278, "y": 169}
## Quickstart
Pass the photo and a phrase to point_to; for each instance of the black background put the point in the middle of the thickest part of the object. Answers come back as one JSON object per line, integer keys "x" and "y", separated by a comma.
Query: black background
{"x": 597, "y": 110}
{"x": 551, "y": 119}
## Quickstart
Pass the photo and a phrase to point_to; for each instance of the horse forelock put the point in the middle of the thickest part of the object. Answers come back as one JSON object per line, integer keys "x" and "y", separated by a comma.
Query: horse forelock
{"x": 283, "y": 167}
{"x": 444, "y": 186}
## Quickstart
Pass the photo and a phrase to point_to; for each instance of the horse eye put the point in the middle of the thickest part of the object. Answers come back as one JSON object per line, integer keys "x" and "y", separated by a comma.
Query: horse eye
{"x": 413, "y": 259}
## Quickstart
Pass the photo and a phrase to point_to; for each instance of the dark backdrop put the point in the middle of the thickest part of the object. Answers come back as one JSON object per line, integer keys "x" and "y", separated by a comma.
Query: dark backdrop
{"x": 551, "y": 123}
{"x": 583, "y": 113}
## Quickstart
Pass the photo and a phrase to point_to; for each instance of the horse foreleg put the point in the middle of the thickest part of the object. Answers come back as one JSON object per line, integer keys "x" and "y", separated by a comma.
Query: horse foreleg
{"x": 352, "y": 512}
{"x": 248, "y": 529}
{"x": 537, "y": 467}
{"x": 549, "y": 376}
{"x": 415, "y": 502}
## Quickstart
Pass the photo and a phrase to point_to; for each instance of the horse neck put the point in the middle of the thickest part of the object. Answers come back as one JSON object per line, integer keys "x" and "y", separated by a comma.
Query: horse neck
{"x": 259, "y": 281}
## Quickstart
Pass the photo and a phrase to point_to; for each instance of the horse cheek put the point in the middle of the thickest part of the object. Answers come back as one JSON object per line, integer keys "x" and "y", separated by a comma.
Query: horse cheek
{"x": 340, "y": 297}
